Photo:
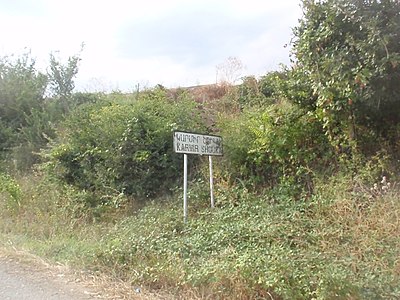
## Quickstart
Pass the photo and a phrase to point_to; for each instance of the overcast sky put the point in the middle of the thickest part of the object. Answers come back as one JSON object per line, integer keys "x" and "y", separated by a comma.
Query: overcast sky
{"x": 169, "y": 42}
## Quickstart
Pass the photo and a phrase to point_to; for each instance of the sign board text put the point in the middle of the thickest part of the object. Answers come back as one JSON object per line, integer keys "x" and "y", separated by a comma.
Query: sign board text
{"x": 200, "y": 144}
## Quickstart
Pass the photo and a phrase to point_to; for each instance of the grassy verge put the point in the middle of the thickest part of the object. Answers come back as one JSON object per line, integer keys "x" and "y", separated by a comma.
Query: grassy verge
{"x": 343, "y": 243}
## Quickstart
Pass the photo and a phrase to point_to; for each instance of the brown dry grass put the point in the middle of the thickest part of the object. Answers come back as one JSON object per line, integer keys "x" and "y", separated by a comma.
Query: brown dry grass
{"x": 367, "y": 229}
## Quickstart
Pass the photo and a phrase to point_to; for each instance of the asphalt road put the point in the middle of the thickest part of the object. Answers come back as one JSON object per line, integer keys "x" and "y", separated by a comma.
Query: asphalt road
{"x": 19, "y": 281}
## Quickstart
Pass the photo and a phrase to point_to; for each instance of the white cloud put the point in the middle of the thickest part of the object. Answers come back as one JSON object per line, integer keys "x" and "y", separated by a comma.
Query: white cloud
{"x": 174, "y": 43}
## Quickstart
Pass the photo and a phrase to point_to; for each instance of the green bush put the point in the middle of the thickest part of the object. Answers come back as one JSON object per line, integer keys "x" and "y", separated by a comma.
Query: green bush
{"x": 280, "y": 144}
{"x": 11, "y": 189}
{"x": 22, "y": 89}
{"x": 251, "y": 94}
{"x": 124, "y": 146}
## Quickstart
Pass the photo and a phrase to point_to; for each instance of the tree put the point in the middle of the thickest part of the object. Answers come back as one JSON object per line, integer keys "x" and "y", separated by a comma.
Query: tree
{"x": 349, "y": 51}
{"x": 22, "y": 90}
{"x": 229, "y": 71}
{"x": 61, "y": 78}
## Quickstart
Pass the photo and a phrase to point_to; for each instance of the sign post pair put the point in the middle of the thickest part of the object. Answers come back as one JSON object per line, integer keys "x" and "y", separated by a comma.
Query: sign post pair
{"x": 198, "y": 144}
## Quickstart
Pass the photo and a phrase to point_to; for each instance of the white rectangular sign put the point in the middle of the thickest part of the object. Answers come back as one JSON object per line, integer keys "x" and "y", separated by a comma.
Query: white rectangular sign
{"x": 193, "y": 143}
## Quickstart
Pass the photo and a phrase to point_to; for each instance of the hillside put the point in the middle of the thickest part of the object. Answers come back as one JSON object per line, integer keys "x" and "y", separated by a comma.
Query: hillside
{"x": 306, "y": 193}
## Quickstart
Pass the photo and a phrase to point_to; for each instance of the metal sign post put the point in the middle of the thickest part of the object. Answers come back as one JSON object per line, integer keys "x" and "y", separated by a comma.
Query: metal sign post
{"x": 211, "y": 182}
{"x": 185, "y": 206}
{"x": 200, "y": 144}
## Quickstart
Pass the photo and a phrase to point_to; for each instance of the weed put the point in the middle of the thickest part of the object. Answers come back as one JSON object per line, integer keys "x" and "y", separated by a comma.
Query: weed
{"x": 250, "y": 246}
{"x": 11, "y": 191}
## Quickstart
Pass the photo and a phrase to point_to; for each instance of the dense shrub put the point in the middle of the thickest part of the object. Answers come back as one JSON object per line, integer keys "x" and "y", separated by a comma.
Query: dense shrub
{"x": 22, "y": 90}
{"x": 277, "y": 144}
{"x": 28, "y": 113}
{"x": 124, "y": 146}
{"x": 250, "y": 93}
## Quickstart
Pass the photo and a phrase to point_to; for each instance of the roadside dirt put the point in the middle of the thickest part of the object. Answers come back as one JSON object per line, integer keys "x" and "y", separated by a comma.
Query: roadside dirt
{"x": 23, "y": 277}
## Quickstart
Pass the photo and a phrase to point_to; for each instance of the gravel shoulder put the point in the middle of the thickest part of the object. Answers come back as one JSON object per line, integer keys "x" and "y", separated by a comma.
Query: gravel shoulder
{"x": 23, "y": 277}
{"x": 21, "y": 281}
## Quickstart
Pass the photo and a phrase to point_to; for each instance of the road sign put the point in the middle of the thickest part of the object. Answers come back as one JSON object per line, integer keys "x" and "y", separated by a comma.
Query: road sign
{"x": 200, "y": 144}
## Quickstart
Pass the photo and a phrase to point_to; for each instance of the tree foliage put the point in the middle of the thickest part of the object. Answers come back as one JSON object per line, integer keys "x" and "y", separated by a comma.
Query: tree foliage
{"x": 28, "y": 115}
{"x": 22, "y": 89}
{"x": 124, "y": 147}
{"x": 22, "y": 97}
{"x": 61, "y": 79}
{"x": 349, "y": 50}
